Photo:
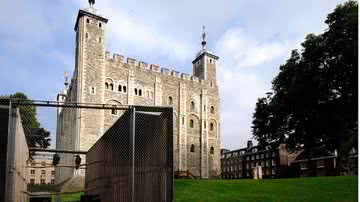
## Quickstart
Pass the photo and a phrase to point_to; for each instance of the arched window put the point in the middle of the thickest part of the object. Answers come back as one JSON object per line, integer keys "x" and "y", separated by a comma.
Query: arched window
{"x": 111, "y": 86}
{"x": 140, "y": 92}
{"x": 86, "y": 35}
{"x": 170, "y": 100}
{"x": 87, "y": 20}
{"x": 211, "y": 150}
{"x": 191, "y": 123}
{"x": 212, "y": 109}
{"x": 192, "y": 148}
{"x": 192, "y": 105}
{"x": 100, "y": 24}
{"x": 99, "y": 39}
{"x": 124, "y": 89}
{"x": 106, "y": 85}
{"x": 211, "y": 126}
{"x": 135, "y": 91}
{"x": 119, "y": 88}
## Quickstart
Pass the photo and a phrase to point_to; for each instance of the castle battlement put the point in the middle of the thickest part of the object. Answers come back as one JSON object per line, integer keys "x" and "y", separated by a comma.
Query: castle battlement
{"x": 152, "y": 67}
{"x": 165, "y": 71}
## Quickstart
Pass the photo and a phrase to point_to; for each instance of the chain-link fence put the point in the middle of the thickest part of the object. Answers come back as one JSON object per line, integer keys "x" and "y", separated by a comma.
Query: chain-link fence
{"x": 85, "y": 152}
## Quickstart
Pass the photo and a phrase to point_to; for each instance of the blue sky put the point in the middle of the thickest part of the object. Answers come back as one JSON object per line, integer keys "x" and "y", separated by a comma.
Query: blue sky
{"x": 252, "y": 38}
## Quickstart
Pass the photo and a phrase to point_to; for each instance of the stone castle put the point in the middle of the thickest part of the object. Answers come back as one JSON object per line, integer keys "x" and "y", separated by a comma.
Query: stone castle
{"x": 101, "y": 77}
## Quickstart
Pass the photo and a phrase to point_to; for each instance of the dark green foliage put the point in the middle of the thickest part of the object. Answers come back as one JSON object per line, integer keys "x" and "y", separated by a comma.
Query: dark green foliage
{"x": 35, "y": 134}
{"x": 314, "y": 100}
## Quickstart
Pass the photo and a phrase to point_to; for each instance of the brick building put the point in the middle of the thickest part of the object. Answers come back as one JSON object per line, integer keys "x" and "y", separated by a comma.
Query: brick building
{"x": 100, "y": 77}
{"x": 321, "y": 164}
{"x": 254, "y": 162}
{"x": 41, "y": 170}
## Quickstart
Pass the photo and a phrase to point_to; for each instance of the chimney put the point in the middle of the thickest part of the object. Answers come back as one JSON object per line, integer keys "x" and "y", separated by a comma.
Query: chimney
{"x": 249, "y": 144}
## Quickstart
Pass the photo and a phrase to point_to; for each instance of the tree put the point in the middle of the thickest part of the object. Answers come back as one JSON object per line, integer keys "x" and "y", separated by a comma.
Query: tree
{"x": 36, "y": 136}
{"x": 315, "y": 95}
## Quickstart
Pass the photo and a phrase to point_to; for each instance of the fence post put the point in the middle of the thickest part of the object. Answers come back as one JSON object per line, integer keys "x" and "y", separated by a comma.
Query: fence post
{"x": 133, "y": 112}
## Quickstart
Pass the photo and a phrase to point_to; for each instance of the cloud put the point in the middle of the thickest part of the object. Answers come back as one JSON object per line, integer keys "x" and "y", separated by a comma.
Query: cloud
{"x": 241, "y": 50}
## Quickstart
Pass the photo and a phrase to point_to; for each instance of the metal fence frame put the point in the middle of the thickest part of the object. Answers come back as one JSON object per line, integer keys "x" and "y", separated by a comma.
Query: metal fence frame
{"x": 15, "y": 103}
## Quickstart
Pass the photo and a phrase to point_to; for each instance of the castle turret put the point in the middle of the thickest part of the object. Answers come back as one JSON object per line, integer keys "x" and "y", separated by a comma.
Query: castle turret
{"x": 205, "y": 63}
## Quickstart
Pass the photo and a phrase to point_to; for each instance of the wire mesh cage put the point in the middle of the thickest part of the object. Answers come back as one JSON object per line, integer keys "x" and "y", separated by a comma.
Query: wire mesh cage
{"x": 85, "y": 152}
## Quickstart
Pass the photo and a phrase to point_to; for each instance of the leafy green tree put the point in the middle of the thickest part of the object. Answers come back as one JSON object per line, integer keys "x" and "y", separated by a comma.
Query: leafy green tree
{"x": 314, "y": 102}
{"x": 36, "y": 136}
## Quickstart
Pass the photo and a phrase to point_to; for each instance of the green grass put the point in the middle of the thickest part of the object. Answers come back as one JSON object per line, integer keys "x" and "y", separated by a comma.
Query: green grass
{"x": 298, "y": 189}
{"x": 342, "y": 188}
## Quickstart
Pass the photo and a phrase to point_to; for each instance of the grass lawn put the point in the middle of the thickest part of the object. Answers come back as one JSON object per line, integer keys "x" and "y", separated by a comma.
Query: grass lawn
{"x": 342, "y": 188}
{"x": 297, "y": 189}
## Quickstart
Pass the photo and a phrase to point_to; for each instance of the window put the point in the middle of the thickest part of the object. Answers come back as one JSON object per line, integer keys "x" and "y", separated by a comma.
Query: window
{"x": 182, "y": 120}
{"x": 210, "y": 60}
{"x": 86, "y": 35}
{"x": 273, "y": 171}
{"x": 267, "y": 155}
{"x": 192, "y": 148}
{"x": 43, "y": 163}
{"x": 100, "y": 24}
{"x": 32, "y": 181}
{"x": 42, "y": 181}
{"x": 320, "y": 163}
{"x": 192, "y": 105}
{"x": 53, "y": 172}
{"x": 262, "y": 163}
{"x": 43, "y": 172}
{"x": 140, "y": 92}
{"x": 119, "y": 88}
{"x": 257, "y": 156}
{"x": 99, "y": 39}
{"x": 191, "y": 123}
{"x": 124, "y": 89}
{"x": 32, "y": 172}
{"x": 267, "y": 163}
{"x": 303, "y": 165}
{"x": 211, "y": 84}
{"x": 87, "y": 20}
{"x": 247, "y": 165}
{"x": 135, "y": 91}
{"x": 170, "y": 101}
{"x": 106, "y": 86}
{"x": 204, "y": 124}
{"x": 211, "y": 150}
{"x": 212, "y": 109}
{"x": 93, "y": 90}
{"x": 262, "y": 156}
{"x": 111, "y": 86}
{"x": 52, "y": 181}
{"x": 204, "y": 107}
{"x": 273, "y": 162}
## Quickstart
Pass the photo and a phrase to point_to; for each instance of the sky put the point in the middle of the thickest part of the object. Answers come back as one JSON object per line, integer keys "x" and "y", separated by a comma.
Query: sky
{"x": 252, "y": 39}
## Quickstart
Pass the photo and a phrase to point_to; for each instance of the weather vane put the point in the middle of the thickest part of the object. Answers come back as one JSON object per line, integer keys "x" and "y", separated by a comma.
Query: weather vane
{"x": 66, "y": 78}
{"x": 91, "y": 2}
{"x": 203, "y": 36}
